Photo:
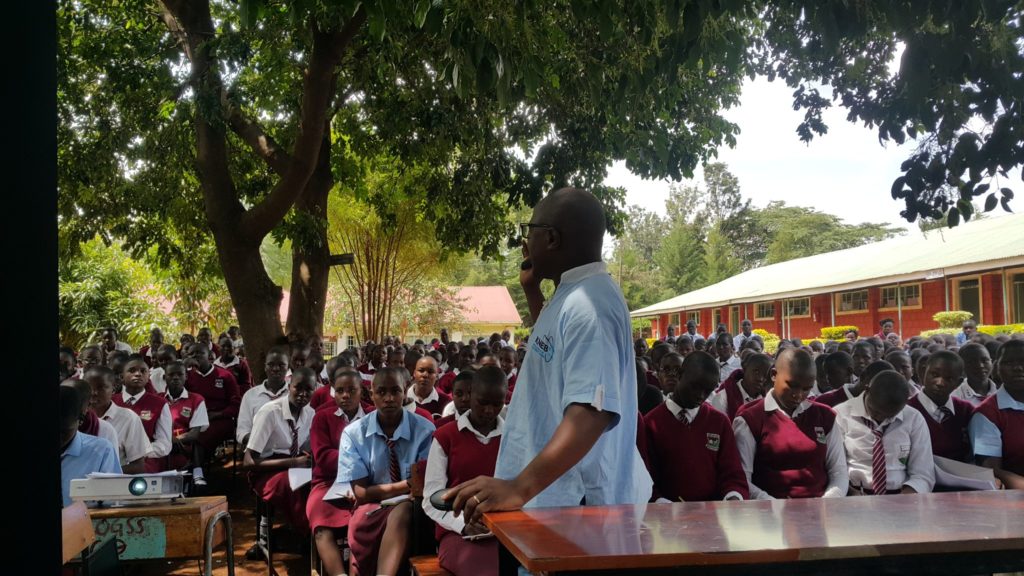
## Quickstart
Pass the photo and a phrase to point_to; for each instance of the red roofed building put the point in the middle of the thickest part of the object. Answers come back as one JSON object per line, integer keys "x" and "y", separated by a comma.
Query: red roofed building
{"x": 486, "y": 310}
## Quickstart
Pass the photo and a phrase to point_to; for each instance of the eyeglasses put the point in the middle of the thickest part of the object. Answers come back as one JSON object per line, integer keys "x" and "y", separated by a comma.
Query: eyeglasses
{"x": 524, "y": 228}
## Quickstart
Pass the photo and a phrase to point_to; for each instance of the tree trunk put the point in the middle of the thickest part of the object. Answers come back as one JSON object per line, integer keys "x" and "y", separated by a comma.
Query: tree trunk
{"x": 310, "y": 268}
{"x": 255, "y": 297}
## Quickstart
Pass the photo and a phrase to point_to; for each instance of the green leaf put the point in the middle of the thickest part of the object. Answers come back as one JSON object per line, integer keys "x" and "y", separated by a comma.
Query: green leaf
{"x": 420, "y": 15}
{"x": 953, "y": 218}
{"x": 991, "y": 202}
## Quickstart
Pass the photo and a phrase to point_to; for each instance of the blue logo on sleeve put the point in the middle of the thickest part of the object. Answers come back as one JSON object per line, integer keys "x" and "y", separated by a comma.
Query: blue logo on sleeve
{"x": 545, "y": 347}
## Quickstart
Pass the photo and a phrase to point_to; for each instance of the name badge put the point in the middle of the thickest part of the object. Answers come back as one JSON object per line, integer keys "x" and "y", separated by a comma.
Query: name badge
{"x": 904, "y": 454}
{"x": 186, "y": 412}
{"x": 218, "y": 383}
{"x": 714, "y": 441}
{"x": 819, "y": 433}
{"x": 146, "y": 415}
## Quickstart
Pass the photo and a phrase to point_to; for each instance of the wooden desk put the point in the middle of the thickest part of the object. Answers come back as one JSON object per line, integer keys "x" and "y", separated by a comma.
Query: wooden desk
{"x": 172, "y": 530}
{"x": 950, "y": 533}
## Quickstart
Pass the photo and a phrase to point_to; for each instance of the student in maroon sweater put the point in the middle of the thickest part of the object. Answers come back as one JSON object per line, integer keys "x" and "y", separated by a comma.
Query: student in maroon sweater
{"x": 423, "y": 391}
{"x": 507, "y": 361}
{"x": 220, "y": 390}
{"x": 463, "y": 450}
{"x": 188, "y": 420}
{"x": 235, "y": 364}
{"x": 998, "y": 422}
{"x": 151, "y": 408}
{"x": 743, "y": 386}
{"x": 947, "y": 417}
{"x": 691, "y": 446}
{"x": 327, "y": 518}
{"x": 790, "y": 447}
{"x": 460, "y": 398}
{"x": 463, "y": 361}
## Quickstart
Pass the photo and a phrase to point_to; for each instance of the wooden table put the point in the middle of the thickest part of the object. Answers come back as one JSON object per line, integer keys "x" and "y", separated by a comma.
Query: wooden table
{"x": 949, "y": 533}
{"x": 188, "y": 528}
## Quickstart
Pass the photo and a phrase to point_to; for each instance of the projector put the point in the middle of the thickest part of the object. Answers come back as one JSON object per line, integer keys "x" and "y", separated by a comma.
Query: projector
{"x": 119, "y": 487}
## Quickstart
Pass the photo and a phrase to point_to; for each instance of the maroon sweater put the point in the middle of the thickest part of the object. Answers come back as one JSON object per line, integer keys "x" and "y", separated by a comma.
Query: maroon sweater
{"x": 733, "y": 394}
{"x": 218, "y": 388}
{"x": 182, "y": 411}
{"x": 324, "y": 440}
{"x": 832, "y": 398}
{"x": 467, "y": 457}
{"x": 435, "y": 407}
{"x": 790, "y": 458}
{"x": 949, "y": 439}
{"x": 1011, "y": 424}
{"x": 697, "y": 461}
{"x": 148, "y": 407}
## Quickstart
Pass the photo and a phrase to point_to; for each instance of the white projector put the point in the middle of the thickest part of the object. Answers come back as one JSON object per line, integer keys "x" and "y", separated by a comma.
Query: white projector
{"x": 122, "y": 487}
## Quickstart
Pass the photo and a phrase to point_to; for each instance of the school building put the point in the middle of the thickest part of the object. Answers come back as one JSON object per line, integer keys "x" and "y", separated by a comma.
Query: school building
{"x": 977, "y": 266}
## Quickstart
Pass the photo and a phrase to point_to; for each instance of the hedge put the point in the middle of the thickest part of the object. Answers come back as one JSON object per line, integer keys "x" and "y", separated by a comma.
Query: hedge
{"x": 771, "y": 341}
{"x": 952, "y": 318}
{"x": 836, "y": 332}
{"x": 992, "y": 330}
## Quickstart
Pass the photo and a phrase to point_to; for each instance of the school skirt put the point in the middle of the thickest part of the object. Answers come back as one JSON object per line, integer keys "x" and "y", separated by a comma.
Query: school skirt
{"x": 365, "y": 532}
{"x": 326, "y": 513}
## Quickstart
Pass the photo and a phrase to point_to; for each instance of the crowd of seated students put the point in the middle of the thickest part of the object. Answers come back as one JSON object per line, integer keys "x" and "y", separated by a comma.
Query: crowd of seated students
{"x": 386, "y": 425}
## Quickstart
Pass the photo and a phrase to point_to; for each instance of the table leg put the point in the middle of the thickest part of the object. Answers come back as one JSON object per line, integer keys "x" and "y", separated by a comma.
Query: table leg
{"x": 229, "y": 553}
{"x": 507, "y": 563}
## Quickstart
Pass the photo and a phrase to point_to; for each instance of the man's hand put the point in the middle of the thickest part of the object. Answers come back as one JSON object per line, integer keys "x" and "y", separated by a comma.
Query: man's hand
{"x": 484, "y": 494}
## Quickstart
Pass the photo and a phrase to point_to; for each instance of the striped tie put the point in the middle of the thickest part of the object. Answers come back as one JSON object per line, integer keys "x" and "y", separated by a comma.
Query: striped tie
{"x": 945, "y": 413}
{"x": 294, "y": 449}
{"x": 396, "y": 472}
{"x": 877, "y": 460}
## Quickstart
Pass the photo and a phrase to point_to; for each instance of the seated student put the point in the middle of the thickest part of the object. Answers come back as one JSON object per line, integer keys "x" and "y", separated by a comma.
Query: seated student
{"x": 977, "y": 384}
{"x": 280, "y": 441}
{"x": 888, "y": 448}
{"x": 657, "y": 353}
{"x": 116, "y": 360}
{"x": 376, "y": 361}
{"x": 297, "y": 356}
{"x": 89, "y": 357}
{"x": 507, "y": 362}
{"x": 396, "y": 357}
{"x": 902, "y": 363}
{"x": 151, "y": 408}
{"x": 315, "y": 362}
{"x": 162, "y": 356}
{"x": 821, "y": 378}
{"x": 133, "y": 444}
{"x": 728, "y": 361}
{"x": 460, "y": 451}
{"x": 376, "y": 457}
{"x": 464, "y": 361}
{"x": 855, "y": 387}
{"x": 148, "y": 351}
{"x": 325, "y": 395}
{"x": 699, "y": 344}
{"x": 649, "y": 396}
{"x": 327, "y": 518}
{"x": 743, "y": 386}
{"x": 273, "y": 387}
{"x": 189, "y": 419}
{"x": 790, "y": 447}
{"x": 839, "y": 378}
{"x": 947, "y": 417}
{"x": 235, "y": 364}
{"x": 81, "y": 454}
{"x": 218, "y": 388}
{"x": 997, "y": 425}
{"x": 423, "y": 391}
{"x": 90, "y": 423}
{"x": 691, "y": 446}
{"x": 919, "y": 361}
{"x": 408, "y": 403}
{"x": 460, "y": 398}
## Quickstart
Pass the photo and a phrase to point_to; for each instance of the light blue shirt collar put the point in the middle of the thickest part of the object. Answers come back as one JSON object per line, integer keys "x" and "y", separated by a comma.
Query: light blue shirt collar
{"x": 1006, "y": 402}
{"x": 583, "y": 272}
{"x": 75, "y": 447}
{"x": 373, "y": 427}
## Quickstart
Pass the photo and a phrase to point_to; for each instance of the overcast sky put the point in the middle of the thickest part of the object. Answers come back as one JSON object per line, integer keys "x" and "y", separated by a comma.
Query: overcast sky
{"x": 845, "y": 172}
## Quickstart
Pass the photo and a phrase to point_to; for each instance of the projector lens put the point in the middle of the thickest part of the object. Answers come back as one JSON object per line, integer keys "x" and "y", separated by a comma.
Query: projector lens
{"x": 137, "y": 487}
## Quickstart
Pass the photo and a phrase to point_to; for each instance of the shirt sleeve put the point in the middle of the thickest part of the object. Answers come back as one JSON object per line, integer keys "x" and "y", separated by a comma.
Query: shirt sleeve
{"x": 261, "y": 431}
{"x": 136, "y": 444}
{"x": 747, "y": 447}
{"x": 719, "y": 401}
{"x": 986, "y": 438}
{"x": 162, "y": 435}
{"x": 351, "y": 463}
{"x": 921, "y": 463}
{"x": 590, "y": 374}
{"x": 835, "y": 462}
{"x": 200, "y": 418}
{"x": 108, "y": 433}
{"x": 243, "y": 426}
{"x": 109, "y": 461}
{"x": 437, "y": 479}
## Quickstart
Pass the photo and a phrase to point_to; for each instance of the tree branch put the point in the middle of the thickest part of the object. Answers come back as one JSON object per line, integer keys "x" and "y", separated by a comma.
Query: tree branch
{"x": 318, "y": 87}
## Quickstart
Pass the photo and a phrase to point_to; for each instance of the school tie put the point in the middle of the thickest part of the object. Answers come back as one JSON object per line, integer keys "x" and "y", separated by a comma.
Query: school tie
{"x": 396, "y": 472}
{"x": 131, "y": 401}
{"x": 877, "y": 459}
{"x": 944, "y": 414}
{"x": 294, "y": 449}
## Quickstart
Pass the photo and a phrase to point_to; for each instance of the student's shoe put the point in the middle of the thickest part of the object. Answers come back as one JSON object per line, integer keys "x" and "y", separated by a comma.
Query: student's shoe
{"x": 199, "y": 481}
{"x": 254, "y": 553}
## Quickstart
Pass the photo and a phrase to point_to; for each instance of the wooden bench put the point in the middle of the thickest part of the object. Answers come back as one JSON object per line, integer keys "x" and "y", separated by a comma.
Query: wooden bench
{"x": 427, "y": 566}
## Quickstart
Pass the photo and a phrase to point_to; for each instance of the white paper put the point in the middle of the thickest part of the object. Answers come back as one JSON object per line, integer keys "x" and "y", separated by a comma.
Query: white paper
{"x": 394, "y": 500}
{"x": 338, "y": 491}
{"x": 954, "y": 474}
{"x": 299, "y": 477}
{"x": 476, "y": 537}
{"x": 116, "y": 475}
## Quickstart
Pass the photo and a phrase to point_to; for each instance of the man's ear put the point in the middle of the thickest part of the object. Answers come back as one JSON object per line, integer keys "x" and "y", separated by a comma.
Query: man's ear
{"x": 554, "y": 239}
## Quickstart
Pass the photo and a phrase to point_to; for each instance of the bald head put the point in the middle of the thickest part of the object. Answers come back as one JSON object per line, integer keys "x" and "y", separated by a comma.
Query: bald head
{"x": 568, "y": 231}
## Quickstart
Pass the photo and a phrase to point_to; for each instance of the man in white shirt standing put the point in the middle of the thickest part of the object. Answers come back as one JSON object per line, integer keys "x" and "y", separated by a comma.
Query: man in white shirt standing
{"x": 570, "y": 435}
{"x": 888, "y": 447}
{"x": 728, "y": 361}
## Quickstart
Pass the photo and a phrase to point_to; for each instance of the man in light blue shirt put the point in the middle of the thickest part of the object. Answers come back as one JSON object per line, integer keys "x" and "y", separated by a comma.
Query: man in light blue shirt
{"x": 570, "y": 434}
{"x": 81, "y": 453}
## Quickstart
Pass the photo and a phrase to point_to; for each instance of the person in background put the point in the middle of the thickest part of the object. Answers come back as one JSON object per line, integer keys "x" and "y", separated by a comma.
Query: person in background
{"x": 728, "y": 361}
{"x": 996, "y": 426}
{"x": 967, "y": 331}
{"x": 947, "y": 417}
{"x": 977, "y": 384}
{"x": 691, "y": 331}
{"x": 81, "y": 454}
{"x": 746, "y": 332}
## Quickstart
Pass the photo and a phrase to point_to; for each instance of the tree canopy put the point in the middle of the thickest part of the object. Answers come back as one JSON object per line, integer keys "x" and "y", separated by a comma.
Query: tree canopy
{"x": 183, "y": 121}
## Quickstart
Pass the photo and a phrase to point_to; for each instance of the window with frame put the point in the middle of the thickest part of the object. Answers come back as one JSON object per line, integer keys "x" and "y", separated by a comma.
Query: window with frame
{"x": 350, "y": 342}
{"x": 718, "y": 317}
{"x": 764, "y": 311}
{"x": 798, "y": 307}
{"x": 906, "y": 296}
{"x": 695, "y": 316}
{"x": 853, "y": 301}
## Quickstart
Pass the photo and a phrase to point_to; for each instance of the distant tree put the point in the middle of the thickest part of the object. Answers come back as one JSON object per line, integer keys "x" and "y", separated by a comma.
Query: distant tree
{"x": 681, "y": 258}
{"x": 719, "y": 261}
{"x": 794, "y": 232}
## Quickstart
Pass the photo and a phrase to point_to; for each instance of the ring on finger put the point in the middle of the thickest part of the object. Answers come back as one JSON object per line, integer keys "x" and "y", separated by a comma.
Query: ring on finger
{"x": 477, "y": 499}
